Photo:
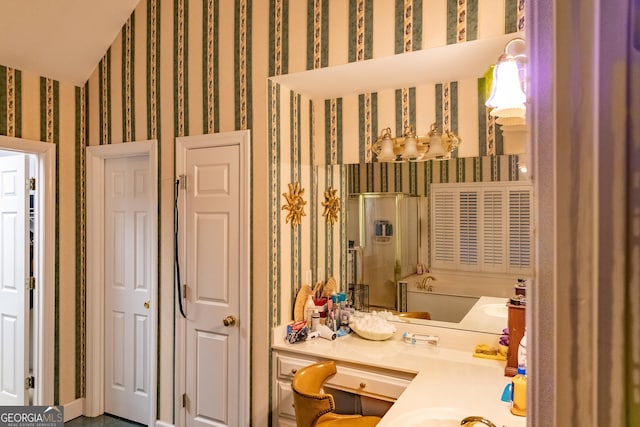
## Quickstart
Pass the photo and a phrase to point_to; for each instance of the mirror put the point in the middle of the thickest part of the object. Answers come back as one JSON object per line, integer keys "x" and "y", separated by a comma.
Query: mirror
{"x": 388, "y": 250}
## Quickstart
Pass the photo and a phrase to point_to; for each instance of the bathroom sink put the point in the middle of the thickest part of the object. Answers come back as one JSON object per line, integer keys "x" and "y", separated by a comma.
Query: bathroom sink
{"x": 430, "y": 417}
{"x": 495, "y": 310}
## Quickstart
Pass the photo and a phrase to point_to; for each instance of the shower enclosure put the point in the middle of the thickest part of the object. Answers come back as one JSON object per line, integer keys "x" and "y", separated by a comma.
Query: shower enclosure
{"x": 383, "y": 233}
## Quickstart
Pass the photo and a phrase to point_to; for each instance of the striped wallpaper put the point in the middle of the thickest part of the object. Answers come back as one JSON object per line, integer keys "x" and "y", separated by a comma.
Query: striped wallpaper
{"x": 38, "y": 108}
{"x": 345, "y": 128}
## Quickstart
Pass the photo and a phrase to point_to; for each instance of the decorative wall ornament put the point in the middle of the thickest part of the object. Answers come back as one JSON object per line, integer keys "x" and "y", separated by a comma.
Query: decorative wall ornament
{"x": 295, "y": 204}
{"x": 331, "y": 206}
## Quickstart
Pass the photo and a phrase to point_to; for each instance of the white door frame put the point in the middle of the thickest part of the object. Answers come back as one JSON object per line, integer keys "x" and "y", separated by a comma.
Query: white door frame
{"x": 96, "y": 157}
{"x": 44, "y": 296}
{"x": 183, "y": 144}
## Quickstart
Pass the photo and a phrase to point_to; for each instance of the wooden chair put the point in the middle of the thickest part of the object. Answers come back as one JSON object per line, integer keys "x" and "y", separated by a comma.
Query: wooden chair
{"x": 415, "y": 315}
{"x": 316, "y": 409}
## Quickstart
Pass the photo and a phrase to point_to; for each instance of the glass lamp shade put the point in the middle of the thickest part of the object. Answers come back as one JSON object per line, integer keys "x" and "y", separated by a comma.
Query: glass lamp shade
{"x": 507, "y": 97}
{"x": 410, "y": 150}
{"x": 435, "y": 147}
{"x": 385, "y": 150}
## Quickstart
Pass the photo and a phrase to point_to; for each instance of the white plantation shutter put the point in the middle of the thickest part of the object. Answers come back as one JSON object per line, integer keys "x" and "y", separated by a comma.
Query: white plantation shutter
{"x": 468, "y": 225}
{"x": 493, "y": 234}
{"x": 482, "y": 226}
{"x": 519, "y": 229}
{"x": 443, "y": 236}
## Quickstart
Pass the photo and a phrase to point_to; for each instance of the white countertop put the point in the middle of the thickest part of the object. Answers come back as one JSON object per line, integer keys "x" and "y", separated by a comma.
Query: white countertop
{"x": 448, "y": 376}
{"x": 487, "y": 314}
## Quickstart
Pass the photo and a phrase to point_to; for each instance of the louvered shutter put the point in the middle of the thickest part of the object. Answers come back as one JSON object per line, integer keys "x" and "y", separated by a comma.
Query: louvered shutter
{"x": 468, "y": 228}
{"x": 493, "y": 232}
{"x": 444, "y": 217}
{"x": 519, "y": 230}
{"x": 483, "y": 227}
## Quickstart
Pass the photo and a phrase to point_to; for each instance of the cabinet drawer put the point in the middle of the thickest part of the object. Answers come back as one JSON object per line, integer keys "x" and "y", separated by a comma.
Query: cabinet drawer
{"x": 285, "y": 399}
{"x": 368, "y": 383}
{"x": 350, "y": 378}
{"x": 288, "y": 366}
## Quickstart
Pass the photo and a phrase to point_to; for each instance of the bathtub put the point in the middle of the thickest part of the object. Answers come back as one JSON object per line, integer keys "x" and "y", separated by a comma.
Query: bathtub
{"x": 456, "y": 303}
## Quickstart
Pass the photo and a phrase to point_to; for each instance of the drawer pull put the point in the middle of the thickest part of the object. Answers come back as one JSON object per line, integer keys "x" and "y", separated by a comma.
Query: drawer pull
{"x": 293, "y": 371}
{"x": 363, "y": 385}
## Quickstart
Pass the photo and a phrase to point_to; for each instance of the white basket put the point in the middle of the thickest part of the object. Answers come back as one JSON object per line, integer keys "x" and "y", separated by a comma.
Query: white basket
{"x": 373, "y": 335}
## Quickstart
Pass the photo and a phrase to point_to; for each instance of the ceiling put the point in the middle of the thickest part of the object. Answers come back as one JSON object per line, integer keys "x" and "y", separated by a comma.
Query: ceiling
{"x": 63, "y": 39}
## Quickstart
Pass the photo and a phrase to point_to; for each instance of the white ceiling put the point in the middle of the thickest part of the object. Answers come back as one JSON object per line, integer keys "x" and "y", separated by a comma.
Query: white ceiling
{"x": 60, "y": 39}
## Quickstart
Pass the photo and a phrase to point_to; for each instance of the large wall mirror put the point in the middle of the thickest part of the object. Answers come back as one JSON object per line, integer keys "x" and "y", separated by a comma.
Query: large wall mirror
{"x": 434, "y": 247}
{"x": 341, "y": 111}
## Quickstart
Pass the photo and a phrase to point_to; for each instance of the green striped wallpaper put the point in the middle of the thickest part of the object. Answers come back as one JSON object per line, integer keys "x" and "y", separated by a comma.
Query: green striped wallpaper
{"x": 38, "y": 108}
{"x": 457, "y": 106}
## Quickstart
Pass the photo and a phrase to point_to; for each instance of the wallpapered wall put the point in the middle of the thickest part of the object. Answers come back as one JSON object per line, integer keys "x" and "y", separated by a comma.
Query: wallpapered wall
{"x": 342, "y": 130}
{"x": 183, "y": 67}
{"x": 40, "y": 109}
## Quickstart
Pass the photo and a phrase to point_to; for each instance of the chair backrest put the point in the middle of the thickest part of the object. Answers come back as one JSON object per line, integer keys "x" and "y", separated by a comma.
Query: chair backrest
{"x": 310, "y": 404}
{"x": 416, "y": 315}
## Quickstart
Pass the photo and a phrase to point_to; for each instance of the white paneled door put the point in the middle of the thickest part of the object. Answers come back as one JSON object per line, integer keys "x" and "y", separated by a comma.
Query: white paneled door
{"x": 127, "y": 275}
{"x": 14, "y": 271}
{"x": 216, "y": 263}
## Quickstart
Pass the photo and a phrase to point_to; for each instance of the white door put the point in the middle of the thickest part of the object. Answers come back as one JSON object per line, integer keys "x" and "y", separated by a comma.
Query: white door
{"x": 217, "y": 326}
{"x": 14, "y": 271}
{"x": 127, "y": 271}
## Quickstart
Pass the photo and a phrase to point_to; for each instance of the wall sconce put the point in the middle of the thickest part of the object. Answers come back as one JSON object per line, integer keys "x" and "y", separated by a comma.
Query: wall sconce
{"x": 410, "y": 147}
{"x": 508, "y": 96}
{"x": 508, "y": 93}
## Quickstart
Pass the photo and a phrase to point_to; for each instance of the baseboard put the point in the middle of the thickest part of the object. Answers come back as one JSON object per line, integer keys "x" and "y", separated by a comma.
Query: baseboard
{"x": 163, "y": 424}
{"x": 73, "y": 409}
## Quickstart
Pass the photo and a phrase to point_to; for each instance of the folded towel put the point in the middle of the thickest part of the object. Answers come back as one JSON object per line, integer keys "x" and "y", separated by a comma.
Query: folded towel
{"x": 485, "y": 351}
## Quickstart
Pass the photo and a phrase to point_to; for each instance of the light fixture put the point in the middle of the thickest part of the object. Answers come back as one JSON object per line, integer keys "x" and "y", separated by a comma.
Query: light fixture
{"x": 384, "y": 147}
{"x": 508, "y": 93}
{"x": 435, "y": 145}
{"x": 508, "y": 96}
{"x": 410, "y": 145}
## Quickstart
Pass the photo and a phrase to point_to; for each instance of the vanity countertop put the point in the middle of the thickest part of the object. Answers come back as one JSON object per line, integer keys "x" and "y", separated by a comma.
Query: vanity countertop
{"x": 446, "y": 376}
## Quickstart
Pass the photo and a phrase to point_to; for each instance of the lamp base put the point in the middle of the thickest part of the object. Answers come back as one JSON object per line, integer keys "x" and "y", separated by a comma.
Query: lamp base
{"x": 514, "y": 137}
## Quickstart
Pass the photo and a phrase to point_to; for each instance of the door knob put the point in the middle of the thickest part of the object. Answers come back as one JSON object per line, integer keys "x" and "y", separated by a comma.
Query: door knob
{"x": 146, "y": 304}
{"x": 229, "y": 321}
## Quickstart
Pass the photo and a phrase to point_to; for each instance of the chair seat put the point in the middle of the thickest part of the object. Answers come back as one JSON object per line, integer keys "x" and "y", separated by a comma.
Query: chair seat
{"x": 316, "y": 409}
{"x": 336, "y": 420}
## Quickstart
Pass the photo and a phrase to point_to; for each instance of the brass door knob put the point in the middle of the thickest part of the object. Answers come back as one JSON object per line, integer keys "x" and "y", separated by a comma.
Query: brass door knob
{"x": 146, "y": 304}
{"x": 229, "y": 321}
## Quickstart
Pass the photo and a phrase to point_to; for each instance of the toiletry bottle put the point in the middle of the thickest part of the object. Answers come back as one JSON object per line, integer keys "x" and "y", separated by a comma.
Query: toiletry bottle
{"x": 308, "y": 310}
{"x": 519, "y": 390}
{"x": 336, "y": 312}
{"x": 522, "y": 350}
{"x": 329, "y": 321}
{"x": 315, "y": 320}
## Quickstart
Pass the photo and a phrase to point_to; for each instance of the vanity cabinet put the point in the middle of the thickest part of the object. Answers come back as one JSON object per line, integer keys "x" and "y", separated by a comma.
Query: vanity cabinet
{"x": 373, "y": 384}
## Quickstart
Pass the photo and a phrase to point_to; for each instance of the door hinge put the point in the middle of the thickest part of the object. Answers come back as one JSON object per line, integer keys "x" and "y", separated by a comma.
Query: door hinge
{"x": 29, "y": 382}
{"x": 32, "y": 184}
{"x": 185, "y": 289}
{"x": 31, "y": 283}
{"x": 184, "y": 400}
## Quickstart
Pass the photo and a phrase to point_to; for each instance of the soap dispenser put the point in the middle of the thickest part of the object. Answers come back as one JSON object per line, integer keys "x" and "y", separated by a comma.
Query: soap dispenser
{"x": 309, "y": 307}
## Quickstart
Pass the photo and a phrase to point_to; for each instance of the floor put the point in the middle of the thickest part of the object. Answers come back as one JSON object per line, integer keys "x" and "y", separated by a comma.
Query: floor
{"x": 102, "y": 420}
